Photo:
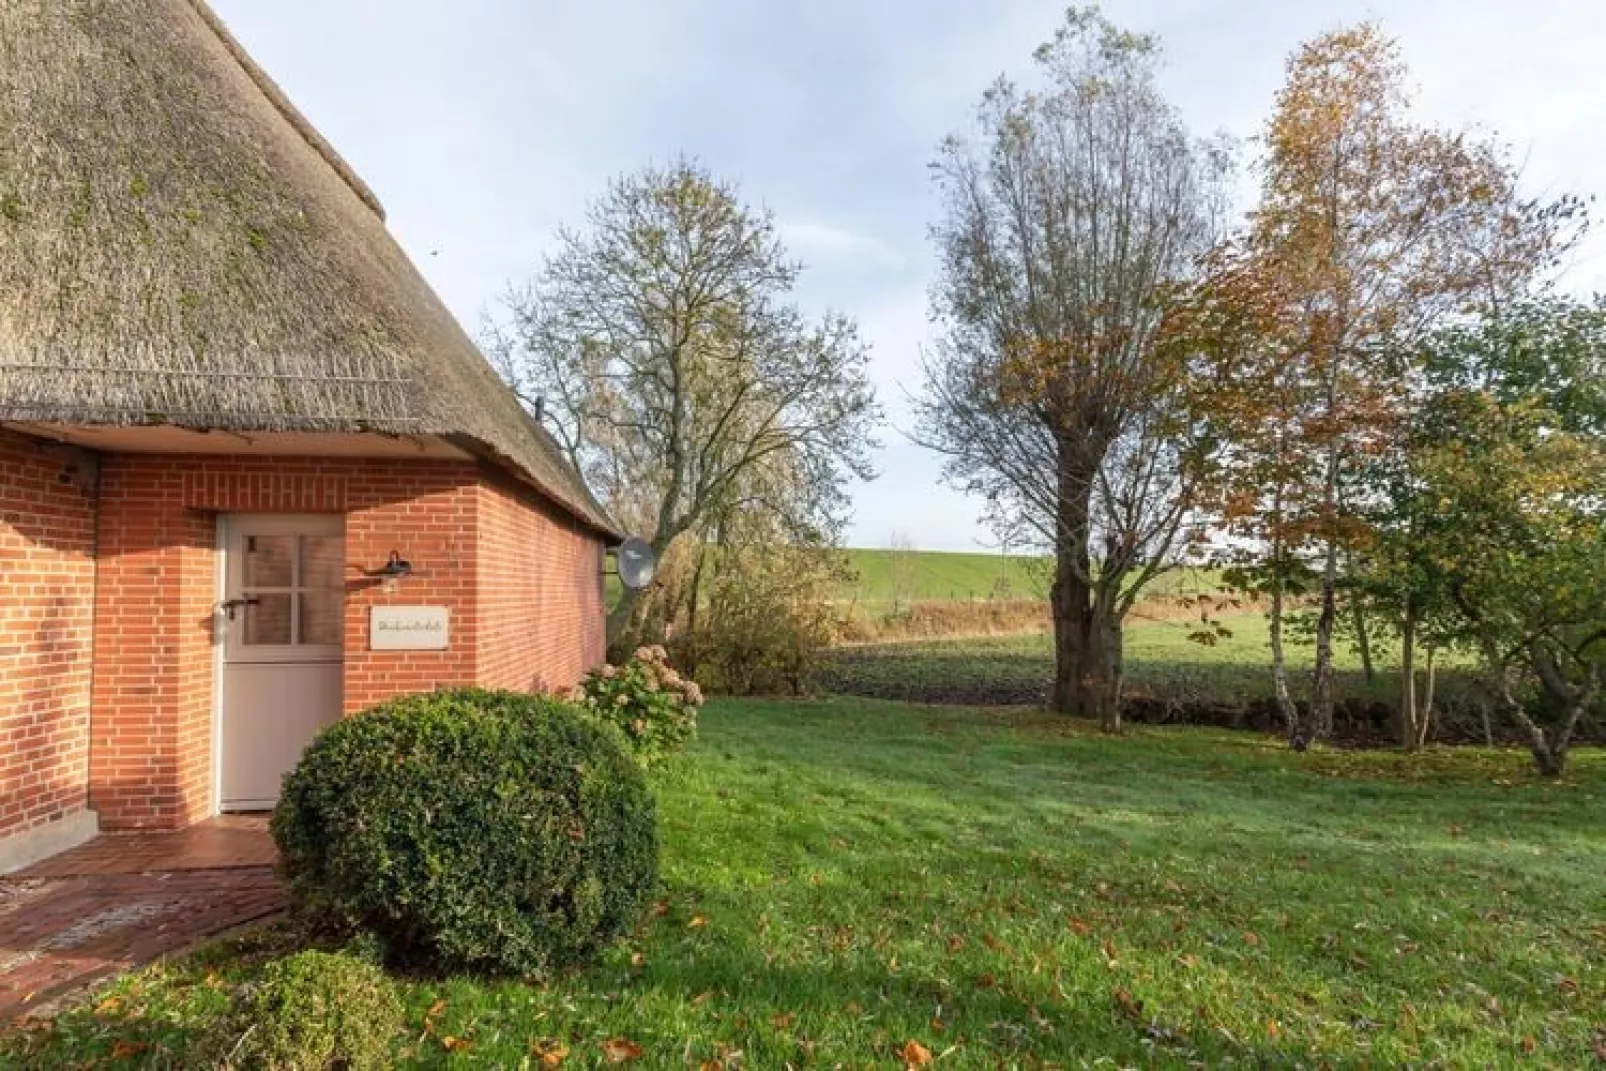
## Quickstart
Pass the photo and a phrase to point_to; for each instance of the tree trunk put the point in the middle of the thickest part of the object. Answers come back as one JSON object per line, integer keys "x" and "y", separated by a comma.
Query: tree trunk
{"x": 1321, "y": 696}
{"x": 1408, "y": 725}
{"x": 1549, "y": 748}
{"x": 1425, "y": 722}
{"x": 1106, "y": 660}
{"x": 619, "y": 619}
{"x": 693, "y": 644}
{"x": 1076, "y": 673}
{"x": 1363, "y": 642}
{"x": 1297, "y": 737}
{"x": 1550, "y": 756}
{"x": 1070, "y": 599}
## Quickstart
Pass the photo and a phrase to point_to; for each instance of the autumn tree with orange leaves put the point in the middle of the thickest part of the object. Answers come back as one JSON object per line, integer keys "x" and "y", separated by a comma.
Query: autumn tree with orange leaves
{"x": 1370, "y": 231}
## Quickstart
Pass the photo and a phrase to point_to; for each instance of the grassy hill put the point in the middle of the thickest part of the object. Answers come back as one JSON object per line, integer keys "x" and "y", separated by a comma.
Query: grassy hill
{"x": 931, "y": 575}
{"x": 939, "y": 575}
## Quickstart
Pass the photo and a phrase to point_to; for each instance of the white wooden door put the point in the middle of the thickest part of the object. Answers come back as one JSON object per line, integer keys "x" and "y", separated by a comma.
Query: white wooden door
{"x": 283, "y": 620}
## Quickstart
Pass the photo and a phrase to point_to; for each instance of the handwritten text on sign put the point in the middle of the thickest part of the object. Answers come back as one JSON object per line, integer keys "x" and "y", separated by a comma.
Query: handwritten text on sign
{"x": 408, "y": 628}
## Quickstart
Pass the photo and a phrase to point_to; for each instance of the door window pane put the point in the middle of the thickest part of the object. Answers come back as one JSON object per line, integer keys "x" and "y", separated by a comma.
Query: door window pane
{"x": 321, "y": 565}
{"x": 322, "y": 616}
{"x": 267, "y": 561}
{"x": 267, "y": 619}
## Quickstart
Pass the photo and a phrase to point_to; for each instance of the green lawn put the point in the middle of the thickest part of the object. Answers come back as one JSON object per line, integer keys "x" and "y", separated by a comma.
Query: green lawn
{"x": 846, "y": 876}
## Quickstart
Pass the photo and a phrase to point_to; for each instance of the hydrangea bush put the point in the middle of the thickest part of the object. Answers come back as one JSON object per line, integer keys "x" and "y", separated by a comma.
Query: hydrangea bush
{"x": 653, "y": 705}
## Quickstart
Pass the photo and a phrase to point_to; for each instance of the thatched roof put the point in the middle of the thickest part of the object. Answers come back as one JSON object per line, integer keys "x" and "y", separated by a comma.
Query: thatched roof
{"x": 178, "y": 246}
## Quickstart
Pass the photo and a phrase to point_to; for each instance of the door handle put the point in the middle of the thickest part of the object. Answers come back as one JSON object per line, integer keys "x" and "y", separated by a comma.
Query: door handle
{"x": 228, "y": 606}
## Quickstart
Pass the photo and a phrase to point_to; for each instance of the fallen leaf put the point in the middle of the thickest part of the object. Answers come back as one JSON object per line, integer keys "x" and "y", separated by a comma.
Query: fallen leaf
{"x": 955, "y": 943}
{"x": 986, "y": 981}
{"x": 697, "y": 922}
{"x": 456, "y": 1044}
{"x": 550, "y": 1052}
{"x": 127, "y": 1050}
{"x": 1130, "y": 1006}
{"x": 702, "y": 998}
{"x": 1251, "y": 937}
{"x": 1529, "y": 1042}
{"x": 783, "y": 1020}
{"x": 621, "y": 1050}
{"x": 638, "y": 959}
{"x": 915, "y": 1054}
{"x": 937, "y": 1025}
{"x": 108, "y": 1006}
{"x": 1080, "y": 927}
{"x": 659, "y": 909}
{"x": 1274, "y": 1029}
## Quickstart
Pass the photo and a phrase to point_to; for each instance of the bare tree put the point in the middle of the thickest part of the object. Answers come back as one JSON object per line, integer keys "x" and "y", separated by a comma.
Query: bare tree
{"x": 901, "y": 566}
{"x": 1069, "y": 216}
{"x": 663, "y": 351}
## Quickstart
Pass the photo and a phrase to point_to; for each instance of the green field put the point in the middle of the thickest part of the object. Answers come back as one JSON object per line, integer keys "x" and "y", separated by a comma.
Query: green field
{"x": 1160, "y": 660}
{"x": 883, "y": 575}
{"x": 846, "y": 877}
{"x": 934, "y": 575}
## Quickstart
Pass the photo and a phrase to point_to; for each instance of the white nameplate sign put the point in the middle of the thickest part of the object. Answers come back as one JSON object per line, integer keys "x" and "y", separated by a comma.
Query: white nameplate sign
{"x": 408, "y": 628}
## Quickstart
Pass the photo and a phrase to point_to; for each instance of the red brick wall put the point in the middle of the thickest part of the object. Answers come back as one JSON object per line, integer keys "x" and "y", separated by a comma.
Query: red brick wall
{"x": 540, "y": 593}
{"x": 47, "y": 575}
{"x": 150, "y": 756}
{"x": 466, "y": 535}
{"x": 154, "y": 670}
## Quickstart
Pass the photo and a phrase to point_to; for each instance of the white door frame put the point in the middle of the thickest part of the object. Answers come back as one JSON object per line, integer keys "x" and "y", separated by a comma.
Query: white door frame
{"x": 220, "y": 581}
{"x": 221, "y": 632}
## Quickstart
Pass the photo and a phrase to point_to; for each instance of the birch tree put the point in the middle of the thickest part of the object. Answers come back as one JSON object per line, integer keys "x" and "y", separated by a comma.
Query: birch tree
{"x": 1370, "y": 230}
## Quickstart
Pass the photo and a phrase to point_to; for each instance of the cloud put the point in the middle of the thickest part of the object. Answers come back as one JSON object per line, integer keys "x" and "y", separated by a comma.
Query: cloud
{"x": 814, "y": 241}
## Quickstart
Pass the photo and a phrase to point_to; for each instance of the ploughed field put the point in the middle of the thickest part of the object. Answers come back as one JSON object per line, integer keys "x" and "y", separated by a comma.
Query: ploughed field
{"x": 1168, "y": 678}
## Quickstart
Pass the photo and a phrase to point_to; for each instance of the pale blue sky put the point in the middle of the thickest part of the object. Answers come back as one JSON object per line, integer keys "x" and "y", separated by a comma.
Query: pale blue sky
{"x": 485, "y": 124}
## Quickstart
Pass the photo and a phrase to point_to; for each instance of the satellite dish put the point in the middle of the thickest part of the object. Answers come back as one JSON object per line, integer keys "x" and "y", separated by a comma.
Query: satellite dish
{"x": 636, "y": 563}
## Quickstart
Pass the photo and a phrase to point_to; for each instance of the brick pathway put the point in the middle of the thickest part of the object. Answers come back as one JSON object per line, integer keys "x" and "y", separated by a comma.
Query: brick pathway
{"x": 126, "y": 898}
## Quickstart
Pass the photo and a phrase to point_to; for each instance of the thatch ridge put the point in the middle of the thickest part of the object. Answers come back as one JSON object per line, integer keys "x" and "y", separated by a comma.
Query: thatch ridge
{"x": 292, "y": 114}
{"x": 178, "y": 246}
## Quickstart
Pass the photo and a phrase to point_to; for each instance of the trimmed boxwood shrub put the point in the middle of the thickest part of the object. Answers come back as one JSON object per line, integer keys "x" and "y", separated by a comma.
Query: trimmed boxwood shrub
{"x": 470, "y": 830}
